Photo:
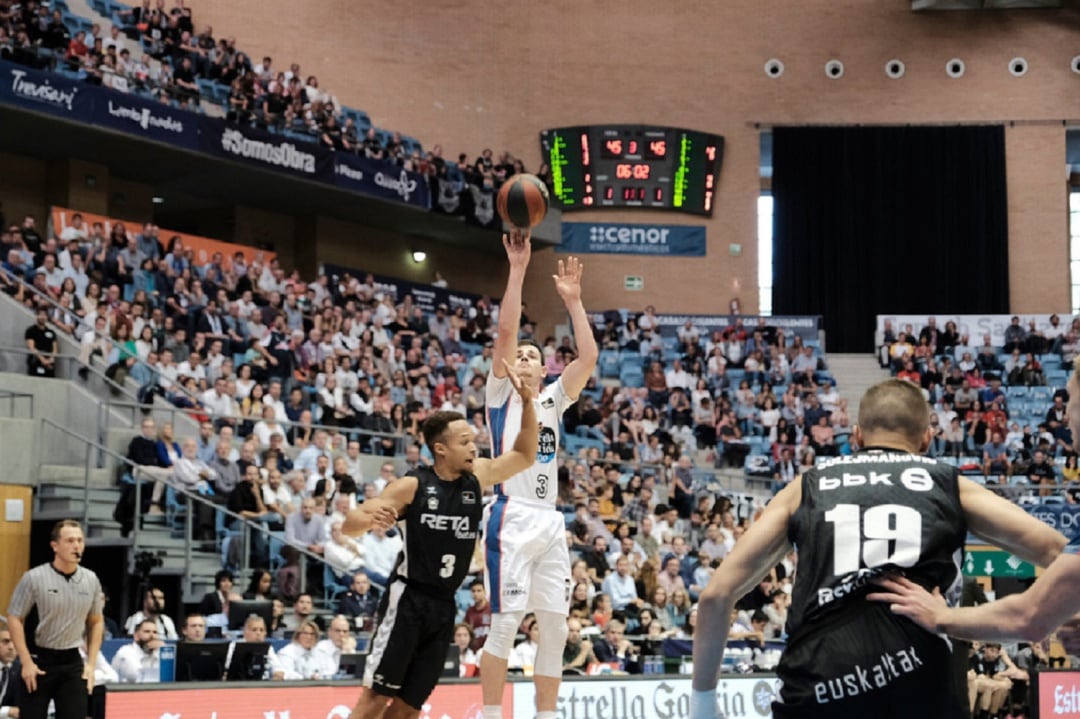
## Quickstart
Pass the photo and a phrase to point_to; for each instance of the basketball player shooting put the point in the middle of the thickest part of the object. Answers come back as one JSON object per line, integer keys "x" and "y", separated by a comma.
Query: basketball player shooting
{"x": 439, "y": 508}
{"x": 528, "y": 564}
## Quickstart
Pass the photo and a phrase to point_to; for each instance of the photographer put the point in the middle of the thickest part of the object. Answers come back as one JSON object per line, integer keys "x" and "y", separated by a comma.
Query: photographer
{"x": 154, "y": 611}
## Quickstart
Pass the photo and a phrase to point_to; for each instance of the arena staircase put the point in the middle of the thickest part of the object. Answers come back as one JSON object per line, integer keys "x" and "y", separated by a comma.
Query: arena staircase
{"x": 854, "y": 374}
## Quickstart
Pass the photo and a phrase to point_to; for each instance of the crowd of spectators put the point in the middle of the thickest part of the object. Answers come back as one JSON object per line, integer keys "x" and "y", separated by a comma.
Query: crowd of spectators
{"x": 994, "y": 409}
{"x": 292, "y": 381}
{"x": 158, "y": 52}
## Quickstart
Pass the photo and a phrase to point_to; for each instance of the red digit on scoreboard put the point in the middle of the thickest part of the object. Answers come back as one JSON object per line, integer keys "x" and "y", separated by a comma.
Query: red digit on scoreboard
{"x": 609, "y": 192}
{"x": 710, "y": 152}
{"x": 641, "y": 172}
{"x": 658, "y": 147}
{"x": 613, "y": 146}
{"x": 623, "y": 171}
{"x": 633, "y": 148}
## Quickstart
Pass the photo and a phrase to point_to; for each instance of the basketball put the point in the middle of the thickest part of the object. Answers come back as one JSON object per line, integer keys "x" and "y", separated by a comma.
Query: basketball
{"x": 522, "y": 201}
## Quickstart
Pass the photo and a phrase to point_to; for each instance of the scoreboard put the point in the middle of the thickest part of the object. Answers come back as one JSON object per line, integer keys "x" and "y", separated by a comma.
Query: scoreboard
{"x": 633, "y": 166}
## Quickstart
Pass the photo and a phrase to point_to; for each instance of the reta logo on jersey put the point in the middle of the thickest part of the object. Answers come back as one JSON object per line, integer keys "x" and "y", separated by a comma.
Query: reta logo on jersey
{"x": 443, "y": 522}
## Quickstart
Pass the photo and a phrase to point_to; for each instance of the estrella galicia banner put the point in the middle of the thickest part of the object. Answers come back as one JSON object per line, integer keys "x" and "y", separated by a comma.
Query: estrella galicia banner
{"x": 265, "y": 150}
{"x": 626, "y": 239}
{"x": 146, "y": 118}
{"x": 380, "y": 180}
{"x": 45, "y": 92}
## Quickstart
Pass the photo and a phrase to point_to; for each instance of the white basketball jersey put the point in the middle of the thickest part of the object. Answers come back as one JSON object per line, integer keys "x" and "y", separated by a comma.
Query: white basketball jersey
{"x": 539, "y": 483}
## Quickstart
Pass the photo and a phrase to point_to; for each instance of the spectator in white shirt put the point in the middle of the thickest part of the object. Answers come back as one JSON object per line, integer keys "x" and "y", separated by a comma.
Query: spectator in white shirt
{"x": 380, "y": 554}
{"x": 154, "y": 611}
{"x": 344, "y": 554}
{"x": 300, "y": 660}
{"x": 192, "y": 367}
{"x": 138, "y": 662}
{"x": 339, "y": 640}
{"x": 619, "y": 585}
{"x": 217, "y": 400}
{"x": 678, "y": 377}
{"x": 190, "y": 472}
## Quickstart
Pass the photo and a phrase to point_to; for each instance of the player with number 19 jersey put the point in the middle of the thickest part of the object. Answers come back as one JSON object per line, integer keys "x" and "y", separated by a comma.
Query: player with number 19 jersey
{"x": 524, "y": 535}
{"x": 860, "y": 517}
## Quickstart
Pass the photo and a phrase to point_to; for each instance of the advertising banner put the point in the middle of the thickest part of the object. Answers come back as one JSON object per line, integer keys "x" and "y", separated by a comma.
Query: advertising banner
{"x": 278, "y": 700}
{"x": 45, "y": 92}
{"x": 380, "y": 179}
{"x": 204, "y": 247}
{"x": 974, "y": 326}
{"x": 668, "y": 324}
{"x": 1057, "y": 694}
{"x": 626, "y": 239}
{"x": 265, "y": 149}
{"x": 428, "y": 297}
{"x": 666, "y": 697}
{"x": 1065, "y": 518}
{"x": 146, "y": 118}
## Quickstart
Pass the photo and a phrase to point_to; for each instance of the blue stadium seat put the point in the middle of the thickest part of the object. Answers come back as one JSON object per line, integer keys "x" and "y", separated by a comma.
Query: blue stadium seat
{"x": 609, "y": 363}
{"x": 632, "y": 377}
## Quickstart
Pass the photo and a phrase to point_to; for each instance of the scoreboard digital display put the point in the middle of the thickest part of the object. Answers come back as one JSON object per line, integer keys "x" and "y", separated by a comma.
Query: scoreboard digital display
{"x": 633, "y": 166}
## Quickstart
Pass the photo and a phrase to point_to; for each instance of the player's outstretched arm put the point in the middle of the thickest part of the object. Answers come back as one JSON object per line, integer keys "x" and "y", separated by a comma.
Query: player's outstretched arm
{"x": 568, "y": 285}
{"x": 1003, "y": 523}
{"x": 518, "y": 245}
{"x": 523, "y": 454}
{"x": 757, "y": 552}
{"x": 382, "y": 511}
{"x": 1052, "y": 600}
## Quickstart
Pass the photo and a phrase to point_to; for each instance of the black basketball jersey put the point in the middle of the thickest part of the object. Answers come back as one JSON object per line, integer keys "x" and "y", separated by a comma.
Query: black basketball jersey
{"x": 867, "y": 514}
{"x": 441, "y": 526}
{"x": 863, "y": 516}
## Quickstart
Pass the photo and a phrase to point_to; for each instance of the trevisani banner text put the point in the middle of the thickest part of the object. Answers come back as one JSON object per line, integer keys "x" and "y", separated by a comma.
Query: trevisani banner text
{"x": 624, "y": 239}
{"x": 149, "y": 119}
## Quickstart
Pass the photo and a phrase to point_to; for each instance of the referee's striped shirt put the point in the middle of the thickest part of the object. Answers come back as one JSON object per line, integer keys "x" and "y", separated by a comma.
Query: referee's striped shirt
{"x": 63, "y": 603}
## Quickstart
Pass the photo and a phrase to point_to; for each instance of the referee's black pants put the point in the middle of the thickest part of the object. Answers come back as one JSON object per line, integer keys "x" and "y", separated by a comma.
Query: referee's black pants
{"x": 62, "y": 683}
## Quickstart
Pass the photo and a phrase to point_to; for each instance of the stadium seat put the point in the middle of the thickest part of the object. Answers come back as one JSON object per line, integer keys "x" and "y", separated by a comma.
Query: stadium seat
{"x": 609, "y": 363}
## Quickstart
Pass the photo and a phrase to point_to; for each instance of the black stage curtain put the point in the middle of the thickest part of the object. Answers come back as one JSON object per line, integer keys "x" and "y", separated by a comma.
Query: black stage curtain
{"x": 876, "y": 220}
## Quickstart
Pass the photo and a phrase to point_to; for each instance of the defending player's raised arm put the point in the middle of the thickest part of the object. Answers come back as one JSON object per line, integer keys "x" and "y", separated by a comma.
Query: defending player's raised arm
{"x": 518, "y": 245}
{"x": 523, "y": 454}
{"x": 1029, "y": 616}
{"x": 1003, "y": 523}
{"x": 382, "y": 511}
{"x": 754, "y": 555}
{"x": 568, "y": 285}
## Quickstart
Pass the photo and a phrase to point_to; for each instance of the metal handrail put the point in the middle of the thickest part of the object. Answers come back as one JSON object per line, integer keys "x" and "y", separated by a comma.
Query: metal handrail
{"x": 330, "y": 429}
{"x": 247, "y": 525}
{"x": 99, "y": 373}
{"x": 13, "y": 397}
{"x": 53, "y": 303}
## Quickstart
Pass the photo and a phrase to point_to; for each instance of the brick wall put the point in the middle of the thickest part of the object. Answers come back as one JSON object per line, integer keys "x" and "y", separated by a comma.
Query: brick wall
{"x": 469, "y": 74}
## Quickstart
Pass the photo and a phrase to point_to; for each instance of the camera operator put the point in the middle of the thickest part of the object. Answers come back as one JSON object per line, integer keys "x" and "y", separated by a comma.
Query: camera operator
{"x": 153, "y": 610}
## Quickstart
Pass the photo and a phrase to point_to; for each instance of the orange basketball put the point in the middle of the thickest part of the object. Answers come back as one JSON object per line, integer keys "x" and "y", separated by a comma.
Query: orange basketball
{"x": 522, "y": 201}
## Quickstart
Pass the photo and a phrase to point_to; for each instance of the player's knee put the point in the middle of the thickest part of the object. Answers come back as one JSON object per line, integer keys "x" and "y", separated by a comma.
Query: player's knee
{"x": 501, "y": 634}
{"x": 549, "y": 652}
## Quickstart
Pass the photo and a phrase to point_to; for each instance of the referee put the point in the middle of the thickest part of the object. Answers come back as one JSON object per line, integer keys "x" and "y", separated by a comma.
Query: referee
{"x": 69, "y": 601}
